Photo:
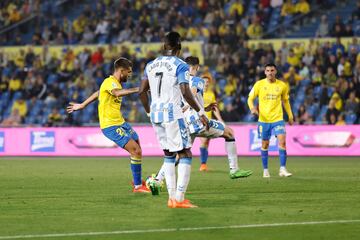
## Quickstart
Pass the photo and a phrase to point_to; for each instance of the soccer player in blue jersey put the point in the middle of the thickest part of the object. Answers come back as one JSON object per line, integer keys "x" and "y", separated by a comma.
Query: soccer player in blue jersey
{"x": 272, "y": 94}
{"x": 167, "y": 78}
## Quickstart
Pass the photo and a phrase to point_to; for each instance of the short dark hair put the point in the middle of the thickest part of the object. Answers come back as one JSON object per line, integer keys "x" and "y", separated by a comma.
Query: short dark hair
{"x": 193, "y": 61}
{"x": 172, "y": 41}
{"x": 122, "y": 63}
{"x": 270, "y": 65}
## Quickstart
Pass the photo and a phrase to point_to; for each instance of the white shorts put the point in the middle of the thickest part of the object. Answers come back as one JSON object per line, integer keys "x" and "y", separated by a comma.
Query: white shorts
{"x": 173, "y": 136}
{"x": 216, "y": 129}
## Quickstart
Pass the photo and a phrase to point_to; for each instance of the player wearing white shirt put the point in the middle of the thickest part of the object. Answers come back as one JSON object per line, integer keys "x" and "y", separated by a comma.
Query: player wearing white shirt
{"x": 217, "y": 129}
{"x": 167, "y": 78}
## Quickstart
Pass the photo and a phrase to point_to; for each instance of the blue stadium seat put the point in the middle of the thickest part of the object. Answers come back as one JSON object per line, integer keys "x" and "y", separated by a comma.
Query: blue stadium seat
{"x": 52, "y": 78}
{"x": 350, "y": 118}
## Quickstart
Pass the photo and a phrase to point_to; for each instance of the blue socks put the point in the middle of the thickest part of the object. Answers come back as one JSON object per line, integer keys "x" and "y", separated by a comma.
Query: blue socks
{"x": 282, "y": 157}
{"x": 264, "y": 158}
{"x": 136, "y": 170}
{"x": 203, "y": 155}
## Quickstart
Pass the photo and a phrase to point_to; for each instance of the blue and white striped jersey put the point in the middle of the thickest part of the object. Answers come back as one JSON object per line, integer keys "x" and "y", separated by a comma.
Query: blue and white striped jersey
{"x": 191, "y": 116}
{"x": 165, "y": 74}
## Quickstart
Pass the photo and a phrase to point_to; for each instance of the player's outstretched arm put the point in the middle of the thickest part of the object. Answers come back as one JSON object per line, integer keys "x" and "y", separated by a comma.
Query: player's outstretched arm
{"x": 143, "y": 92}
{"x": 124, "y": 92}
{"x": 78, "y": 106}
{"x": 287, "y": 107}
{"x": 189, "y": 98}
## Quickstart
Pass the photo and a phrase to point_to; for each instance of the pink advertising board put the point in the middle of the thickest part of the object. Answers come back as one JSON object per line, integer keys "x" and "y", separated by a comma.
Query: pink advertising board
{"x": 89, "y": 141}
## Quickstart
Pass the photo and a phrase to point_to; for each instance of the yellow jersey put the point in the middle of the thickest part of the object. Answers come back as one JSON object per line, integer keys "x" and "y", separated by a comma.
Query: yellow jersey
{"x": 270, "y": 99}
{"x": 209, "y": 97}
{"x": 109, "y": 105}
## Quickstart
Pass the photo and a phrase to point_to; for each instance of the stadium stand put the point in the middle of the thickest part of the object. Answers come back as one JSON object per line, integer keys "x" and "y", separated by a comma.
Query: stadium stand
{"x": 323, "y": 74}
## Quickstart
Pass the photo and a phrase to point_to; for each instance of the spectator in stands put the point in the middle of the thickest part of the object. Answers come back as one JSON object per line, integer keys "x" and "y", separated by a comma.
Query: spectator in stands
{"x": 236, "y": 8}
{"x": 14, "y": 16}
{"x": 338, "y": 47}
{"x": 302, "y": 115}
{"x": 302, "y": 7}
{"x": 54, "y": 119}
{"x": 356, "y": 13}
{"x": 323, "y": 30}
{"x": 15, "y": 84}
{"x": 341, "y": 120}
{"x": 254, "y": 30}
{"x": 330, "y": 77}
{"x": 332, "y": 113}
{"x": 13, "y": 120}
{"x": 287, "y": 8}
{"x": 20, "y": 106}
{"x": 292, "y": 59}
{"x": 348, "y": 32}
{"x": 304, "y": 71}
{"x": 317, "y": 77}
{"x": 292, "y": 77}
{"x": 337, "y": 99}
{"x": 102, "y": 30}
{"x": 338, "y": 27}
{"x": 97, "y": 56}
{"x": 352, "y": 104}
{"x": 276, "y": 3}
{"x": 308, "y": 58}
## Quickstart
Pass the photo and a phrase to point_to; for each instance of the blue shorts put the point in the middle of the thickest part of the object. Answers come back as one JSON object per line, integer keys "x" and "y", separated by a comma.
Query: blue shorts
{"x": 121, "y": 134}
{"x": 265, "y": 129}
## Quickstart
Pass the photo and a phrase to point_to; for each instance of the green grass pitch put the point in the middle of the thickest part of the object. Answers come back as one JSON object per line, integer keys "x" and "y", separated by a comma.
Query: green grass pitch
{"x": 82, "y": 195}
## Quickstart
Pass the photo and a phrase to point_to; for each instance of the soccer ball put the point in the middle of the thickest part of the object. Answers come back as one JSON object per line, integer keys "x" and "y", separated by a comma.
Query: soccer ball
{"x": 153, "y": 184}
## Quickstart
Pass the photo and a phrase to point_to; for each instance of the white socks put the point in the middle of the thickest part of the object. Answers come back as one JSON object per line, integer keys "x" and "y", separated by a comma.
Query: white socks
{"x": 170, "y": 177}
{"x": 184, "y": 170}
{"x": 161, "y": 174}
{"x": 231, "y": 151}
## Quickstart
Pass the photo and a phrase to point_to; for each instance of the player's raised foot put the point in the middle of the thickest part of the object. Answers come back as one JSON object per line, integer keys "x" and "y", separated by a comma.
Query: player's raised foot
{"x": 203, "y": 167}
{"x": 185, "y": 204}
{"x": 141, "y": 189}
{"x": 266, "y": 173}
{"x": 284, "y": 173}
{"x": 240, "y": 174}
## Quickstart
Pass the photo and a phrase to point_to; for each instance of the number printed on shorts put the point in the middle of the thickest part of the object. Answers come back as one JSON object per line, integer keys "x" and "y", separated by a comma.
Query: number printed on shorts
{"x": 120, "y": 131}
{"x": 159, "y": 76}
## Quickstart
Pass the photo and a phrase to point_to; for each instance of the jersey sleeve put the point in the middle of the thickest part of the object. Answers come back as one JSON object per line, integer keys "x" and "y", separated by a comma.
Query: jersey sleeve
{"x": 252, "y": 95}
{"x": 111, "y": 85}
{"x": 198, "y": 83}
{"x": 285, "y": 93}
{"x": 182, "y": 73}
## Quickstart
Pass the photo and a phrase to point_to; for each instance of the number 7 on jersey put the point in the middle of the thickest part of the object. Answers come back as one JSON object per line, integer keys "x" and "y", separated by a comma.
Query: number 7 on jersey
{"x": 159, "y": 76}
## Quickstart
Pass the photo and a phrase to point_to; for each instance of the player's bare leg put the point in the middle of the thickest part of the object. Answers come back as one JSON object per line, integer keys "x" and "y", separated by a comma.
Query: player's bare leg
{"x": 283, "y": 156}
{"x": 204, "y": 145}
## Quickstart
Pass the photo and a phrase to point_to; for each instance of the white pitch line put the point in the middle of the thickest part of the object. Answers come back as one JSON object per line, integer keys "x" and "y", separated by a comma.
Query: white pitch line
{"x": 54, "y": 235}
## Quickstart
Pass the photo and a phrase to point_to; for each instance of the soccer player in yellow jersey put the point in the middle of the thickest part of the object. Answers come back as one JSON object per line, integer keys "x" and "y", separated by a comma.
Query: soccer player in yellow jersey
{"x": 209, "y": 99}
{"x": 112, "y": 123}
{"x": 272, "y": 94}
